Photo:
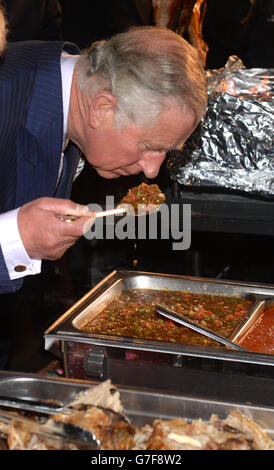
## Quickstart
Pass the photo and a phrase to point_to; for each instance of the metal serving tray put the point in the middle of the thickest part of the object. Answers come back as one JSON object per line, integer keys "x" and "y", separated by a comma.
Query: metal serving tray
{"x": 68, "y": 326}
{"x": 141, "y": 405}
{"x": 261, "y": 307}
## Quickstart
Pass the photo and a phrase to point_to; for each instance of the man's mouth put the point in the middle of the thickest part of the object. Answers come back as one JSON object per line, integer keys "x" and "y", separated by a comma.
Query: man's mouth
{"x": 116, "y": 173}
{"x": 122, "y": 172}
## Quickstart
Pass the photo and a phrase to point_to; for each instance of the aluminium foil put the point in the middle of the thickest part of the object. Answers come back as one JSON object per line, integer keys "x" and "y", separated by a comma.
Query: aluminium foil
{"x": 232, "y": 147}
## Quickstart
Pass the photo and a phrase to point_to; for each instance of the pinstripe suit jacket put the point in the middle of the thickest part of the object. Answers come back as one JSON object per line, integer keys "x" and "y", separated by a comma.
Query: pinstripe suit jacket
{"x": 31, "y": 129}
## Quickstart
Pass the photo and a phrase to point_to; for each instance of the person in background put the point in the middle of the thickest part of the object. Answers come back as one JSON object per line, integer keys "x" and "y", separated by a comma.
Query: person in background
{"x": 85, "y": 22}
{"x": 260, "y": 53}
{"x": 123, "y": 14}
{"x": 225, "y": 30}
{"x": 3, "y": 31}
{"x": 33, "y": 19}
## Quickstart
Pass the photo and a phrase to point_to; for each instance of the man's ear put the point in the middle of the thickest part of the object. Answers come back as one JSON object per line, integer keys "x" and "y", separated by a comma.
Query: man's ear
{"x": 101, "y": 109}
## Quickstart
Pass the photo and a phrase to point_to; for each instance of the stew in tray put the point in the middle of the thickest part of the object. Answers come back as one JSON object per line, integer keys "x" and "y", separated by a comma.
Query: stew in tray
{"x": 133, "y": 314}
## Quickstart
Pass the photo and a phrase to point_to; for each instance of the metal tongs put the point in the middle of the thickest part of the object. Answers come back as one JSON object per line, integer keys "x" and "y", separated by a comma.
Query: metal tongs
{"x": 55, "y": 430}
{"x": 185, "y": 321}
{"x": 48, "y": 408}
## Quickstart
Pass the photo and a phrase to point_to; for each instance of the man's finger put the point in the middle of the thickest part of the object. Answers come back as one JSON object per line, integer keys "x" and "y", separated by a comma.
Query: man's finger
{"x": 62, "y": 206}
{"x": 79, "y": 226}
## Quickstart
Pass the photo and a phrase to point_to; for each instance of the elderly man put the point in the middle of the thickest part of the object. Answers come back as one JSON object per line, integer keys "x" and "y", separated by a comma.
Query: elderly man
{"x": 124, "y": 103}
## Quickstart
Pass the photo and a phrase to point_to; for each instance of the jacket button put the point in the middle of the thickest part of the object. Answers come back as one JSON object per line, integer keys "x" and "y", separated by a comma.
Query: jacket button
{"x": 20, "y": 268}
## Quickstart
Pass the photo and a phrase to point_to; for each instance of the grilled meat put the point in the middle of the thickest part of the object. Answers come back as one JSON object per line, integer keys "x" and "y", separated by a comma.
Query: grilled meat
{"x": 90, "y": 411}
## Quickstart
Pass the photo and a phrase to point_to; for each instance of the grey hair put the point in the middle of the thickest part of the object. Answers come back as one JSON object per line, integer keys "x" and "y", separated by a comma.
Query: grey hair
{"x": 145, "y": 68}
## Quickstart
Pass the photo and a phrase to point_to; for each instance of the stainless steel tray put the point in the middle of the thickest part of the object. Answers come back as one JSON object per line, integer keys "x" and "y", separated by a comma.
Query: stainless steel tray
{"x": 68, "y": 326}
{"x": 141, "y": 405}
{"x": 261, "y": 306}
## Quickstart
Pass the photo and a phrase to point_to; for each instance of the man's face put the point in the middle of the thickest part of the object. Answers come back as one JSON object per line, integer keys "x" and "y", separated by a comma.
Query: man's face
{"x": 132, "y": 149}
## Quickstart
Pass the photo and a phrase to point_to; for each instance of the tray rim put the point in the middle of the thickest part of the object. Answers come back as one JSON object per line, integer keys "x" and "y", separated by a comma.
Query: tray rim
{"x": 6, "y": 375}
{"x": 261, "y": 414}
{"x": 55, "y": 331}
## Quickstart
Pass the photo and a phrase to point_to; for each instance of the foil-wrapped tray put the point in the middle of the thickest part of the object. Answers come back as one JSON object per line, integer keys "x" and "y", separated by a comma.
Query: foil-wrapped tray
{"x": 232, "y": 148}
{"x": 67, "y": 329}
{"x": 141, "y": 405}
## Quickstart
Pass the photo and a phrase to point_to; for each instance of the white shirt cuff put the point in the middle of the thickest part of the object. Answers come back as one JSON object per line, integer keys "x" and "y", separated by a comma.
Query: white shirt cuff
{"x": 18, "y": 263}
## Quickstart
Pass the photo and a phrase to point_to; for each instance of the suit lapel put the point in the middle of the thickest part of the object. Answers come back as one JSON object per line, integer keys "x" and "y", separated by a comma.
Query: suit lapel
{"x": 36, "y": 169}
{"x": 39, "y": 144}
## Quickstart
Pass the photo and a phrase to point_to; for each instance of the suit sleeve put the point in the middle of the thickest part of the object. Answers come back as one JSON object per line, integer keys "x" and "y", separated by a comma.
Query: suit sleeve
{"x": 6, "y": 285}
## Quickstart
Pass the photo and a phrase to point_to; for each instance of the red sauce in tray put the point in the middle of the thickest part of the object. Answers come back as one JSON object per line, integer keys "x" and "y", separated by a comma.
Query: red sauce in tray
{"x": 261, "y": 337}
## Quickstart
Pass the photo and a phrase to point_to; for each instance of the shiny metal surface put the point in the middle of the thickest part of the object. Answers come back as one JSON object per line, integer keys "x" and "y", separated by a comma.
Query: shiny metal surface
{"x": 121, "y": 209}
{"x": 232, "y": 148}
{"x": 141, "y": 405}
{"x": 243, "y": 329}
{"x": 68, "y": 326}
{"x": 71, "y": 218}
{"x": 183, "y": 320}
{"x": 55, "y": 430}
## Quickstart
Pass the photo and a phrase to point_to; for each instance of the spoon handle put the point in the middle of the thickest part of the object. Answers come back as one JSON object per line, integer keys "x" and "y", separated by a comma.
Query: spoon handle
{"x": 71, "y": 218}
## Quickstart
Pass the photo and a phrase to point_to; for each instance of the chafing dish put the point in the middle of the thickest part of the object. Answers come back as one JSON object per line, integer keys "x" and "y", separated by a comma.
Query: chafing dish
{"x": 141, "y": 405}
{"x": 86, "y": 354}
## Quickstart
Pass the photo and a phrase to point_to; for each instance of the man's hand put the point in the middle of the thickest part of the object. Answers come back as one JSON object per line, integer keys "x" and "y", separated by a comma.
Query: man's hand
{"x": 44, "y": 235}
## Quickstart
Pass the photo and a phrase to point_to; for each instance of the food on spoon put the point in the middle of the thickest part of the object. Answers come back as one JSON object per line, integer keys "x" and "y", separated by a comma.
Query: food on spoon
{"x": 144, "y": 197}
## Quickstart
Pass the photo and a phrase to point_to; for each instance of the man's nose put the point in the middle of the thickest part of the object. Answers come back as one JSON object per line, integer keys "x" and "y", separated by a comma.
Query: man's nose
{"x": 151, "y": 165}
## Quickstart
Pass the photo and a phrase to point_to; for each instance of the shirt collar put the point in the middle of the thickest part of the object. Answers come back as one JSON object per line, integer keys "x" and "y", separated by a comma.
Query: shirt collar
{"x": 68, "y": 63}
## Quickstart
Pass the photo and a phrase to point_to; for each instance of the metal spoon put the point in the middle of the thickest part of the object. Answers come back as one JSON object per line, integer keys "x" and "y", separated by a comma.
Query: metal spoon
{"x": 71, "y": 218}
{"x": 121, "y": 209}
{"x": 183, "y": 320}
